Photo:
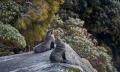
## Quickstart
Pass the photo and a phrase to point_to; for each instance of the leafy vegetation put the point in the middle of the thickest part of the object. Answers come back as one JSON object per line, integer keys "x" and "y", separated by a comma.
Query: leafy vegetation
{"x": 23, "y": 23}
{"x": 101, "y": 19}
{"x": 72, "y": 32}
{"x": 31, "y": 18}
{"x": 9, "y": 11}
{"x": 100, "y": 16}
{"x": 11, "y": 36}
{"x": 37, "y": 19}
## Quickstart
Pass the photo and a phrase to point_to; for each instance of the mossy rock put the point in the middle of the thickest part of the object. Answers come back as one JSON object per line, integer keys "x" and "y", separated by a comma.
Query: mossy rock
{"x": 72, "y": 69}
{"x": 58, "y": 67}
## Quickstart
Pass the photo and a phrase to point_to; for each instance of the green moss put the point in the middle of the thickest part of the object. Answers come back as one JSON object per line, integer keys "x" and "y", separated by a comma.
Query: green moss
{"x": 71, "y": 69}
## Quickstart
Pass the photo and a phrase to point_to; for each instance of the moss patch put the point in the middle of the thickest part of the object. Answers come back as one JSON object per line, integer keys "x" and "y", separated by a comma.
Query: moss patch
{"x": 71, "y": 69}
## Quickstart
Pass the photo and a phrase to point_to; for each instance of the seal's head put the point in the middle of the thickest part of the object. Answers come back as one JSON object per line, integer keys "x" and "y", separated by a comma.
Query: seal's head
{"x": 49, "y": 32}
{"x": 60, "y": 43}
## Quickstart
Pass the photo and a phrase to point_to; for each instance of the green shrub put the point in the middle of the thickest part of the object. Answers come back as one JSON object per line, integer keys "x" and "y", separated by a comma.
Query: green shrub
{"x": 11, "y": 36}
{"x": 100, "y": 16}
{"x": 80, "y": 40}
{"x": 31, "y": 18}
{"x": 9, "y": 11}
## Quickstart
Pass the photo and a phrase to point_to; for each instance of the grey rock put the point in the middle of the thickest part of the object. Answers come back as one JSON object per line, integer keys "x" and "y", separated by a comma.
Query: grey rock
{"x": 75, "y": 59}
{"x": 31, "y": 62}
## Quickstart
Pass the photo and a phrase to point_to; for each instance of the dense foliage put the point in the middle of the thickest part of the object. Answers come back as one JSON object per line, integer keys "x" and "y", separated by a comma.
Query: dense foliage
{"x": 102, "y": 19}
{"x": 72, "y": 32}
{"x": 34, "y": 22}
{"x": 30, "y": 17}
{"x": 100, "y": 16}
{"x": 9, "y": 12}
{"x": 11, "y": 36}
{"x": 23, "y": 23}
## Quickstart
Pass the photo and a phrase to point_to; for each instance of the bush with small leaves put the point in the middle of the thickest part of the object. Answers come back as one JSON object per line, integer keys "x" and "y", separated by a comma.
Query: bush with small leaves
{"x": 11, "y": 36}
{"x": 9, "y": 11}
{"x": 30, "y": 17}
{"x": 83, "y": 43}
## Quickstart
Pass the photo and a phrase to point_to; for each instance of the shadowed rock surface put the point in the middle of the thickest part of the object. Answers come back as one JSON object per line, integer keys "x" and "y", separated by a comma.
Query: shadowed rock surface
{"x": 30, "y": 62}
{"x": 75, "y": 59}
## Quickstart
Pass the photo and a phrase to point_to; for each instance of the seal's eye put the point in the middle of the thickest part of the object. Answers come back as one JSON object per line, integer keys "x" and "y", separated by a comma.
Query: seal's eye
{"x": 50, "y": 32}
